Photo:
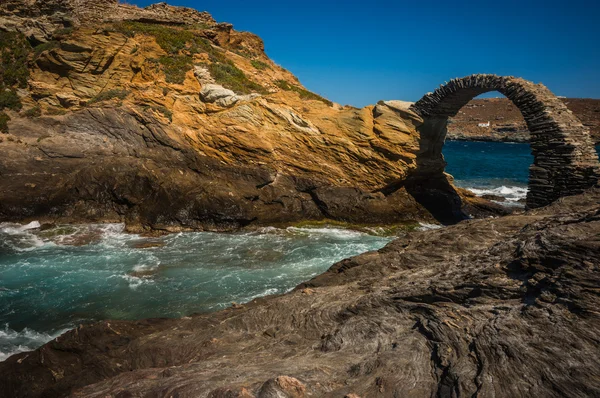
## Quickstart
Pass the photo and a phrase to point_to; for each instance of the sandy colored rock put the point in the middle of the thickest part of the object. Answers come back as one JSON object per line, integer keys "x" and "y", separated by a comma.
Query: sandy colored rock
{"x": 134, "y": 131}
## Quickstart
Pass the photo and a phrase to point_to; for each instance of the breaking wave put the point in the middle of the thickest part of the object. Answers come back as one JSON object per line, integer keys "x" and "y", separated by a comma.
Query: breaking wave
{"x": 510, "y": 193}
{"x": 13, "y": 342}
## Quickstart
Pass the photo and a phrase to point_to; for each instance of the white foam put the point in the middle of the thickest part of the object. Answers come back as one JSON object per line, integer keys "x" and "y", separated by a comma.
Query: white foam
{"x": 21, "y": 239}
{"x": 511, "y": 194}
{"x": 17, "y": 229}
{"x": 135, "y": 282}
{"x": 423, "y": 226}
{"x": 267, "y": 292}
{"x": 31, "y": 225}
{"x": 13, "y": 342}
{"x": 335, "y": 232}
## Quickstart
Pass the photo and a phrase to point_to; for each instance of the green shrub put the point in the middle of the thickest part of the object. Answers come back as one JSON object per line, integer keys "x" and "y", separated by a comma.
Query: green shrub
{"x": 40, "y": 48}
{"x": 9, "y": 99}
{"x": 229, "y": 76}
{"x": 62, "y": 33}
{"x": 171, "y": 39}
{"x": 55, "y": 111}
{"x": 260, "y": 65}
{"x": 175, "y": 67}
{"x": 304, "y": 94}
{"x": 14, "y": 54}
{"x": 36, "y": 111}
{"x": 4, "y": 118}
{"x": 108, "y": 95}
{"x": 181, "y": 44}
{"x": 168, "y": 114}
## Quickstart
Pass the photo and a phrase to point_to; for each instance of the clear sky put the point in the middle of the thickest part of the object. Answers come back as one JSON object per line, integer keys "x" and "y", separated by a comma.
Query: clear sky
{"x": 360, "y": 52}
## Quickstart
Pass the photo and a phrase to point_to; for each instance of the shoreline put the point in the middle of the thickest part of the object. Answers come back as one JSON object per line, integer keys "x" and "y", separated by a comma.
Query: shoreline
{"x": 451, "y": 137}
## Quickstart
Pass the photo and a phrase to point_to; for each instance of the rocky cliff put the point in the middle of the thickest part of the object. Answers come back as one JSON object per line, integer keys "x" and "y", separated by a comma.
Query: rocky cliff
{"x": 498, "y": 307}
{"x": 507, "y": 123}
{"x": 165, "y": 119}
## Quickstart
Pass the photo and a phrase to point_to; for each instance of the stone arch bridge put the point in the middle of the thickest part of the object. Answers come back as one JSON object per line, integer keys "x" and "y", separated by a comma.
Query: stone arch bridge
{"x": 565, "y": 161}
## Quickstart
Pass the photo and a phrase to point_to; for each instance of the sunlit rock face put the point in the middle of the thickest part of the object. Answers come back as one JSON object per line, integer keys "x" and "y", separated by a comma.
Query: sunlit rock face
{"x": 165, "y": 119}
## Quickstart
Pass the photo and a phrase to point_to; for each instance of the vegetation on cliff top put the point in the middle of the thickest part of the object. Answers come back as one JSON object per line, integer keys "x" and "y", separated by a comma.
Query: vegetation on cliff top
{"x": 184, "y": 47}
{"x": 181, "y": 45}
{"x": 229, "y": 76}
{"x": 304, "y": 94}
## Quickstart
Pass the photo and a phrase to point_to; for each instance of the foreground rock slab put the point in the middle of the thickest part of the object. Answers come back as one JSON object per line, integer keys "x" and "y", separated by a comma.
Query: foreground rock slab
{"x": 497, "y": 307}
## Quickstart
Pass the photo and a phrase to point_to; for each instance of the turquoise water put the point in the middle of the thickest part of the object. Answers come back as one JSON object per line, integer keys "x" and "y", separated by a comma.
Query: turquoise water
{"x": 53, "y": 280}
{"x": 491, "y": 167}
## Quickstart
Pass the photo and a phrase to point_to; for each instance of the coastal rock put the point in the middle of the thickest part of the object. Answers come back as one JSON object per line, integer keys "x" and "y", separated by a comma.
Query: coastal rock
{"x": 117, "y": 124}
{"x": 463, "y": 310}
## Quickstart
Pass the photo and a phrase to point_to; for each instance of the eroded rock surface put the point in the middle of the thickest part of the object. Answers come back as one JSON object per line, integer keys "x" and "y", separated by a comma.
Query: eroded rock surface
{"x": 487, "y": 308}
{"x": 165, "y": 119}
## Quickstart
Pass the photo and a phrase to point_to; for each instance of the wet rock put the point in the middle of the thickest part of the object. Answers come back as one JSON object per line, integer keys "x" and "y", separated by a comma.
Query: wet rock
{"x": 496, "y": 198}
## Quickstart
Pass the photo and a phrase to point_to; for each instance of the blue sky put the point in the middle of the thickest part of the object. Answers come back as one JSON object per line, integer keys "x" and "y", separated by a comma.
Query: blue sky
{"x": 360, "y": 52}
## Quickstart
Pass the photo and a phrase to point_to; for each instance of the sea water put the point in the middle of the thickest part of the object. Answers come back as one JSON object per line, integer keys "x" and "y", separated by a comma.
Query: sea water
{"x": 494, "y": 168}
{"x": 52, "y": 280}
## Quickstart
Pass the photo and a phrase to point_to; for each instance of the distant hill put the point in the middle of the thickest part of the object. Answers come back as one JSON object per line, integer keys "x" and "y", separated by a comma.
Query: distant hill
{"x": 506, "y": 122}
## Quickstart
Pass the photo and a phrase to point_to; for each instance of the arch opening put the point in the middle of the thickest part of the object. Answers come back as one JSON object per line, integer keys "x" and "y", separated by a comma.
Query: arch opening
{"x": 565, "y": 161}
